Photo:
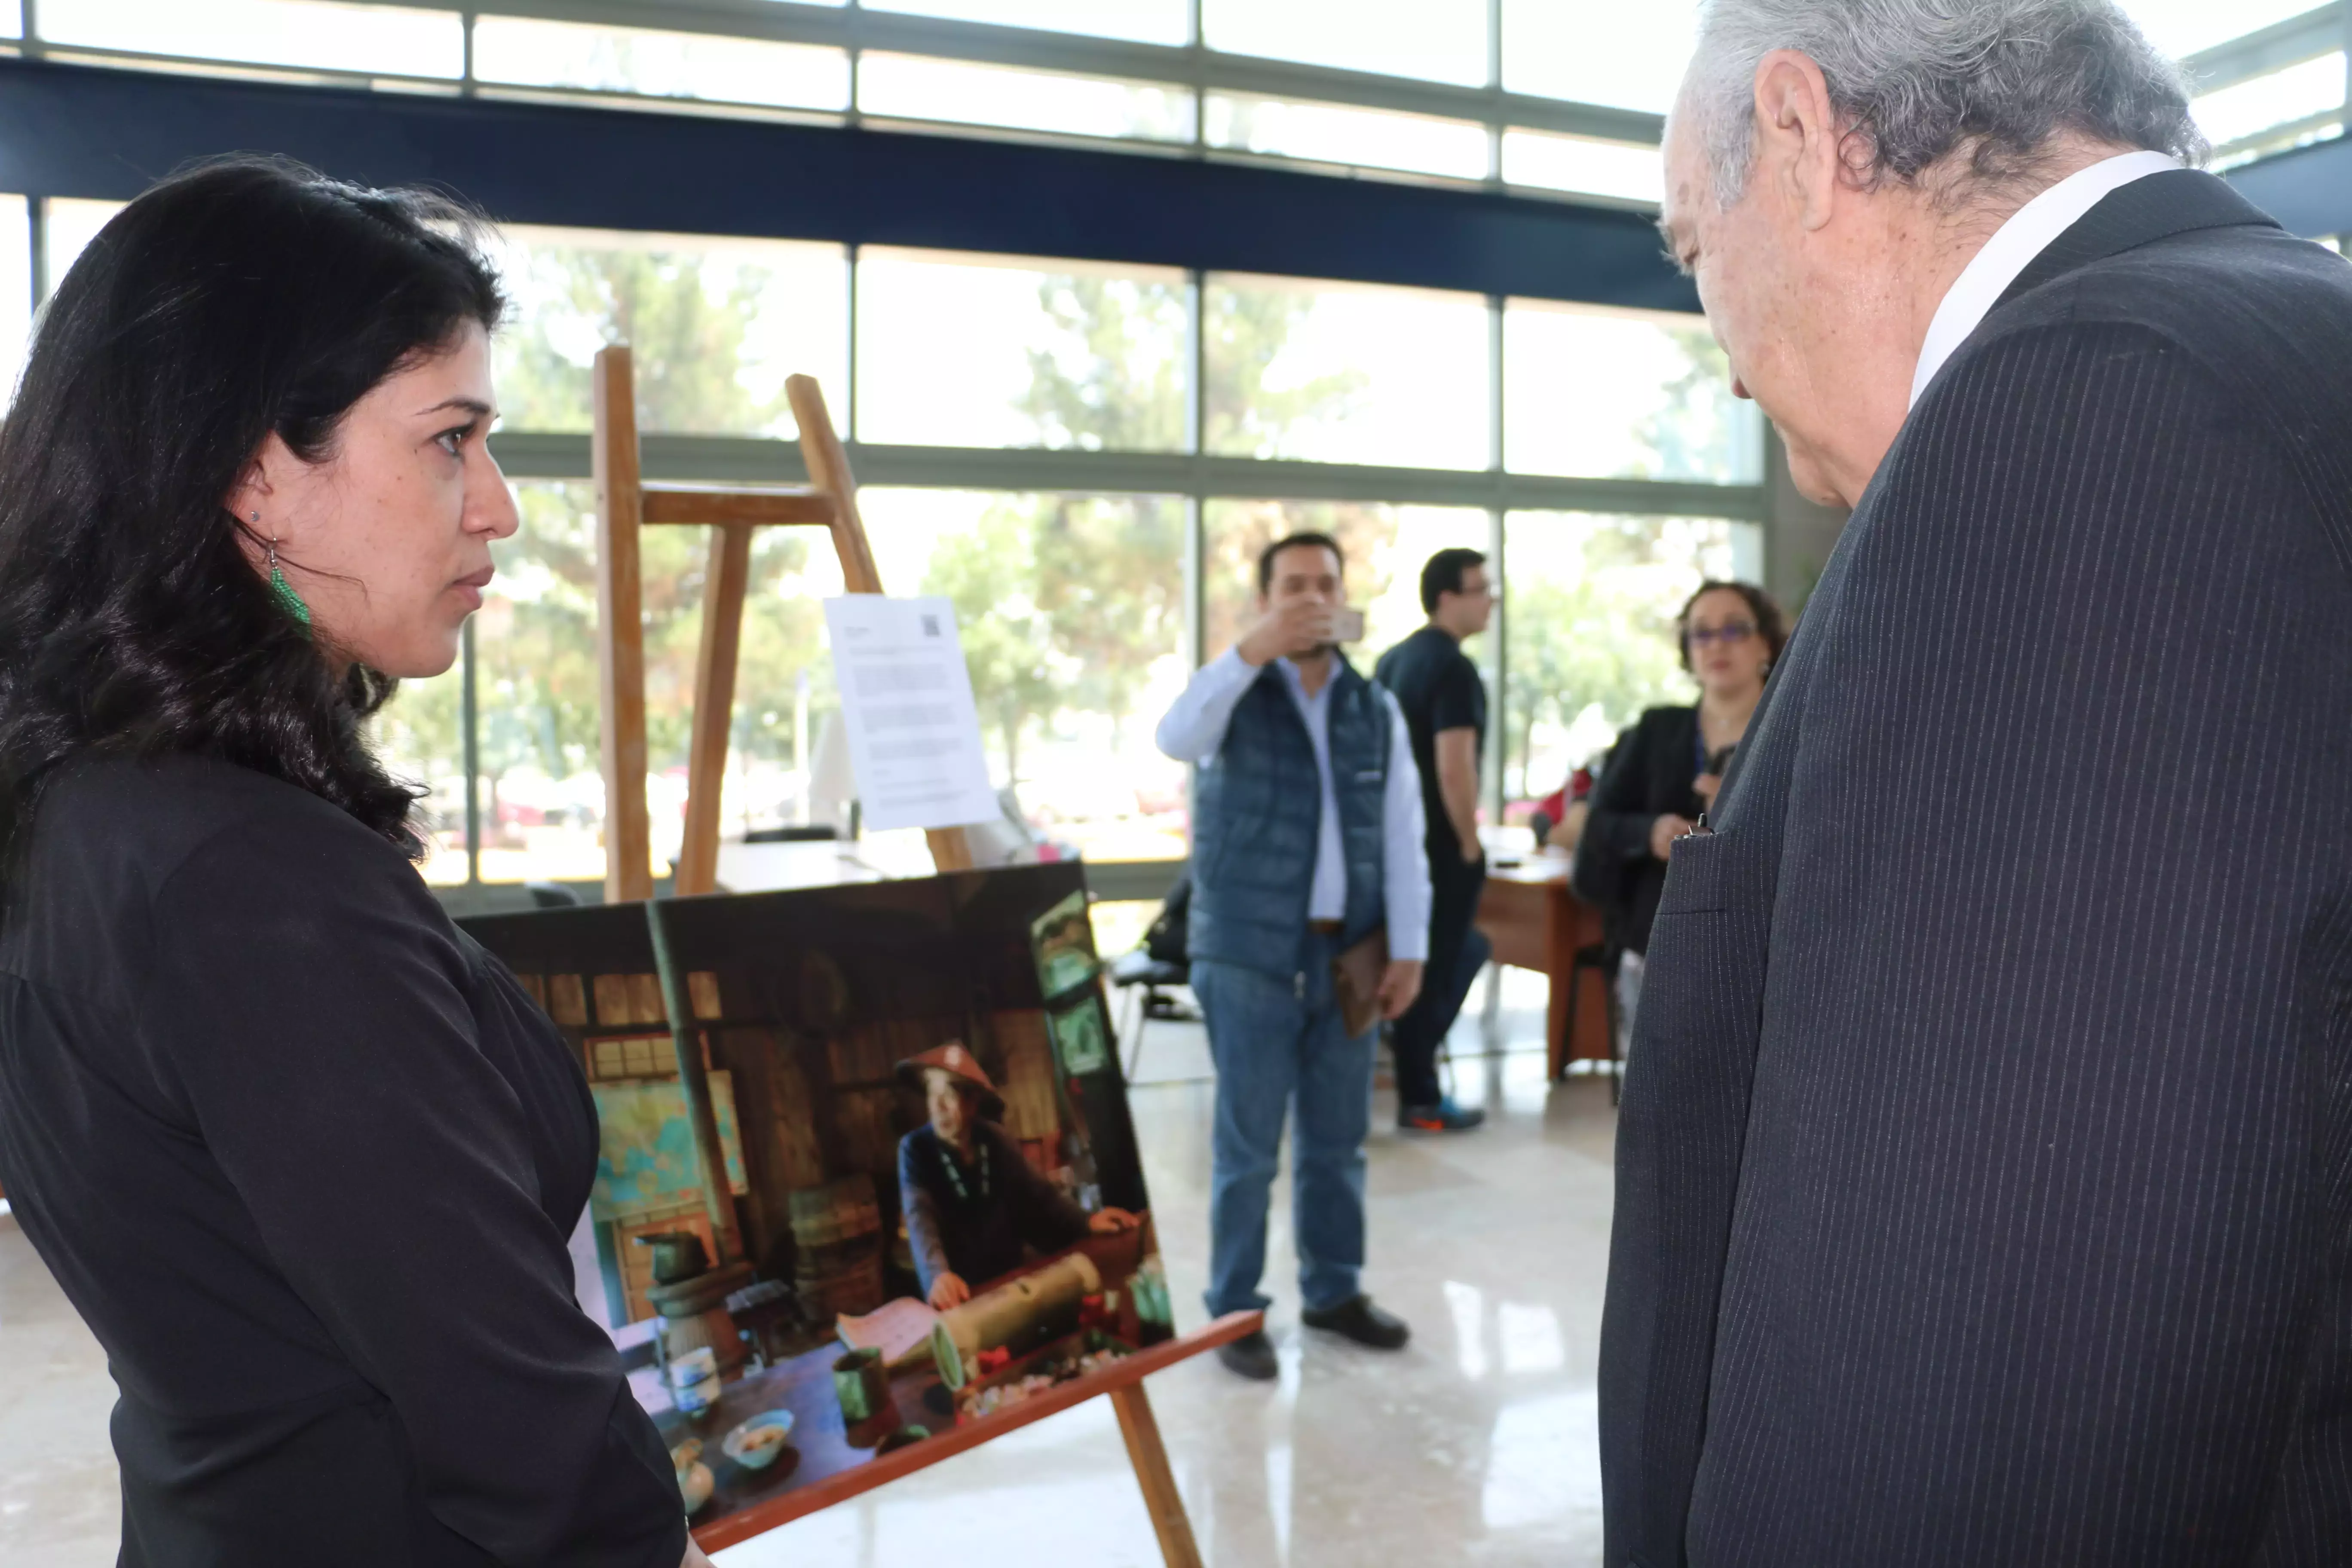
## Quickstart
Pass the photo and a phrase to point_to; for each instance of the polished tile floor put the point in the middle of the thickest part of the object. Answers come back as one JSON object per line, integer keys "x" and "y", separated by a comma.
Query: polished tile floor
{"x": 1473, "y": 1446}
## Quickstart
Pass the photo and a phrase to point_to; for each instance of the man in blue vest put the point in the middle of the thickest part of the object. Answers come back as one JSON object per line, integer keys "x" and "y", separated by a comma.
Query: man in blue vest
{"x": 1306, "y": 841}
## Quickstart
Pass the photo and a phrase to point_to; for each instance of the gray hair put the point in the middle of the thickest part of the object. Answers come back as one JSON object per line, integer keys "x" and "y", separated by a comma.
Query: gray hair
{"x": 1914, "y": 80}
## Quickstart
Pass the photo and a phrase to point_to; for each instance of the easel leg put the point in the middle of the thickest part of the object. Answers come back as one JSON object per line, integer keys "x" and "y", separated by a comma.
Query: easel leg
{"x": 1160, "y": 1499}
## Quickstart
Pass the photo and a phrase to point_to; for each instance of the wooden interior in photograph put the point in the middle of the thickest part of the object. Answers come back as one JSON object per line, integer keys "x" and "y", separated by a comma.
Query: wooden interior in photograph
{"x": 804, "y": 1003}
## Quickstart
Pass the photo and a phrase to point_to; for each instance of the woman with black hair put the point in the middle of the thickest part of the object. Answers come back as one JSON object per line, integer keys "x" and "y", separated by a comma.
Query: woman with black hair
{"x": 304, "y": 1157}
{"x": 1663, "y": 772}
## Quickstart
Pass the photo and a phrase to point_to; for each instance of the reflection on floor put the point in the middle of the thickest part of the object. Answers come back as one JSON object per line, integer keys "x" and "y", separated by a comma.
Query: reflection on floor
{"x": 1475, "y": 1445}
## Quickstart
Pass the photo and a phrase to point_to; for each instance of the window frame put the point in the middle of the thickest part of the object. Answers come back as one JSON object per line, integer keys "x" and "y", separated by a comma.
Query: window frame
{"x": 1198, "y": 478}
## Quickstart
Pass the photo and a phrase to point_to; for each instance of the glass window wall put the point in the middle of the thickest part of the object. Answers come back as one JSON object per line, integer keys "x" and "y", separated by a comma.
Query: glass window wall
{"x": 1357, "y": 137}
{"x": 67, "y": 227}
{"x": 715, "y": 326}
{"x": 1073, "y": 626}
{"x": 2288, "y": 99}
{"x": 1143, "y": 21}
{"x": 1382, "y": 547}
{"x": 1073, "y": 589}
{"x": 420, "y": 737}
{"x": 312, "y": 35}
{"x": 528, "y": 52}
{"x": 1346, "y": 373}
{"x": 540, "y": 790}
{"x": 1583, "y": 164}
{"x": 914, "y": 86}
{"x": 959, "y": 351}
{"x": 1589, "y": 611}
{"x": 2185, "y": 26}
{"x": 1600, "y": 51}
{"x": 1074, "y": 601}
{"x": 1588, "y": 51}
{"x": 1444, "y": 40}
{"x": 15, "y": 291}
{"x": 1623, "y": 394}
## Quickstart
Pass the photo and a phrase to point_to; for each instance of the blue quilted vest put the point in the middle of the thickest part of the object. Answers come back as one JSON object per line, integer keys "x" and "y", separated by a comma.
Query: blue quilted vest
{"x": 1257, "y": 811}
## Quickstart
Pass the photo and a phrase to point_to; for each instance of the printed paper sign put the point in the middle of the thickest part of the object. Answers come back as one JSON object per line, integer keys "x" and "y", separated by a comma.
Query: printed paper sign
{"x": 905, "y": 701}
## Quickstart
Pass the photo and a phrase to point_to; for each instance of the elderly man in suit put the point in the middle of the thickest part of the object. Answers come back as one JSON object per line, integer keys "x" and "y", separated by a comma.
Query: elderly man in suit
{"x": 1985, "y": 1180}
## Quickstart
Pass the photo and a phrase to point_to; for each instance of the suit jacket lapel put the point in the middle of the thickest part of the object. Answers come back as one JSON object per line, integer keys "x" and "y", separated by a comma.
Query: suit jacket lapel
{"x": 2157, "y": 208}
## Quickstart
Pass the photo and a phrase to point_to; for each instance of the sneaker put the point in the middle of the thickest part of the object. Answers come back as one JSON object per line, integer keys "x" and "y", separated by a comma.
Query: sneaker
{"x": 1443, "y": 1117}
{"x": 1252, "y": 1355}
{"x": 1358, "y": 1319}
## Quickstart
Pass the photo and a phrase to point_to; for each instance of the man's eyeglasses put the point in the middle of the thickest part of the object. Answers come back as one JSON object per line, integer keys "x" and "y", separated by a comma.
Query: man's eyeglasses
{"x": 1736, "y": 632}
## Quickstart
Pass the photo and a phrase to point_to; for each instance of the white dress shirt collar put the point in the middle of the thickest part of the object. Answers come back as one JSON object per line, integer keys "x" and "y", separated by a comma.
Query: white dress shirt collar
{"x": 2028, "y": 233}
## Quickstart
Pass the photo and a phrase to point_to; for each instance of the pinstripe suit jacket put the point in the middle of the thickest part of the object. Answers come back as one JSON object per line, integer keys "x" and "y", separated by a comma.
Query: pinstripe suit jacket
{"x": 1985, "y": 1176}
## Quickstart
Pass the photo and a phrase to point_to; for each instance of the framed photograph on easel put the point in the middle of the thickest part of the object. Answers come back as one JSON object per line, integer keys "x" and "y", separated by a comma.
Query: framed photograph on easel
{"x": 936, "y": 1225}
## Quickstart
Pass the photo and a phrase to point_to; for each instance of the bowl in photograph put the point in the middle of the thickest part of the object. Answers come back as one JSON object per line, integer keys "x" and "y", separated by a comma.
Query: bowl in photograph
{"x": 757, "y": 1444}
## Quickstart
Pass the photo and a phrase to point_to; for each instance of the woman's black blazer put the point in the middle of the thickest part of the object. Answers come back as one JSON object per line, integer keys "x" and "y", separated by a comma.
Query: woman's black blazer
{"x": 1648, "y": 775}
{"x": 306, "y": 1160}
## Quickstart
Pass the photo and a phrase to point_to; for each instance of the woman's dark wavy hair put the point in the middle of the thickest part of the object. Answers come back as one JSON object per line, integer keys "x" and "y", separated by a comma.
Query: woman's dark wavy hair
{"x": 239, "y": 298}
{"x": 1770, "y": 624}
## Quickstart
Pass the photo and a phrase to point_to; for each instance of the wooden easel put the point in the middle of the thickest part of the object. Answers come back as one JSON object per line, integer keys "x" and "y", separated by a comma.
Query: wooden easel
{"x": 1121, "y": 1383}
{"x": 624, "y": 502}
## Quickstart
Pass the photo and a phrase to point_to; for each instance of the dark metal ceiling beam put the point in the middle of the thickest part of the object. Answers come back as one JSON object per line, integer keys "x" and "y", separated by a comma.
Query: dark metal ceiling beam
{"x": 2309, "y": 190}
{"x": 80, "y": 131}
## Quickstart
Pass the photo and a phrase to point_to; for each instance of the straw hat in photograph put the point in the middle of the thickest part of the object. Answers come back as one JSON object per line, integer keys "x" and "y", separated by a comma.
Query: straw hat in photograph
{"x": 953, "y": 1059}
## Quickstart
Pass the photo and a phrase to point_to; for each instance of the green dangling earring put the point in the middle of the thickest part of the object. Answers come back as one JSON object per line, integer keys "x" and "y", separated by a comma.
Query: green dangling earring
{"x": 283, "y": 591}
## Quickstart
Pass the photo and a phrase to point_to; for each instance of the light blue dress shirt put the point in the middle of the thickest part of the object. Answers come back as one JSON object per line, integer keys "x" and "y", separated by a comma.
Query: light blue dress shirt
{"x": 1194, "y": 728}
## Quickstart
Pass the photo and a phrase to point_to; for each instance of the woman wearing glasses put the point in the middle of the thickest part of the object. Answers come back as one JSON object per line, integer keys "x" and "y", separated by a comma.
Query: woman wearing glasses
{"x": 1665, "y": 769}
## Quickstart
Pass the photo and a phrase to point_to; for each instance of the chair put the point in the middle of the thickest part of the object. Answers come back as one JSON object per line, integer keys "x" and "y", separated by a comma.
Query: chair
{"x": 1600, "y": 959}
{"x": 551, "y": 896}
{"x": 1162, "y": 963}
{"x": 1145, "y": 981}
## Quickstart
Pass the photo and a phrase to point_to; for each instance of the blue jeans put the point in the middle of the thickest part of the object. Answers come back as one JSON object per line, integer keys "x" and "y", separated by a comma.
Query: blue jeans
{"x": 1280, "y": 1048}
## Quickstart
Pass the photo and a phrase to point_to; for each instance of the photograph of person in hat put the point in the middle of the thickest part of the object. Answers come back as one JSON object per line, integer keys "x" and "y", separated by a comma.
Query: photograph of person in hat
{"x": 974, "y": 1205}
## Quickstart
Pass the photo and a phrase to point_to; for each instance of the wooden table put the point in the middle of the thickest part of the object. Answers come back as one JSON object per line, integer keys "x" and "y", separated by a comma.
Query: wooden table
{"x": 822, "y": 863}
{"x": 827, "y": 1462}
{"x": 1536, "y": 923}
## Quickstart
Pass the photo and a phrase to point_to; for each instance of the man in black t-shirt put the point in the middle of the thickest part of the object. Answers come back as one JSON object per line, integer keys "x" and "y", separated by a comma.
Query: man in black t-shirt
{"x": 1444, "y": 706}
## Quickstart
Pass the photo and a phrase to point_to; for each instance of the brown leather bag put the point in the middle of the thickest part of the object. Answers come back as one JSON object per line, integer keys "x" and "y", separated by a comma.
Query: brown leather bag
{"x": 1356, "y": 982}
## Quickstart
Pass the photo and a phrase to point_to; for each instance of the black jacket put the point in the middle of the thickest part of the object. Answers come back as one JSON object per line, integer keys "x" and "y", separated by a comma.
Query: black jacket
{"x": 306, "y": 1161}
{"x": 1985, "y": 1176}
{"x": 1649, "y": 775}
{"x": 977, "y": 1222}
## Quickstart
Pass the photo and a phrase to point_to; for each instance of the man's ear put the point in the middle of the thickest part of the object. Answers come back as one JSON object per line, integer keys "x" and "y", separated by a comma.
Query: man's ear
{"x": 1800, "y": 158}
